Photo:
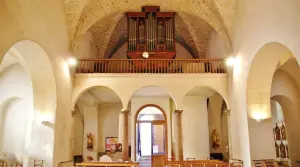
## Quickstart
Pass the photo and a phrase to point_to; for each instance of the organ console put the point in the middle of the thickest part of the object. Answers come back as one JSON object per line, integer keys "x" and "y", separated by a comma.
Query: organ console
{"x": 151, "y": 31}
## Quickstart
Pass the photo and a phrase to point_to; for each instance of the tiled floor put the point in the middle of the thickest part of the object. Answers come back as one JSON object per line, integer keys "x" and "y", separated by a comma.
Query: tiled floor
{"x": 145, "y": 161}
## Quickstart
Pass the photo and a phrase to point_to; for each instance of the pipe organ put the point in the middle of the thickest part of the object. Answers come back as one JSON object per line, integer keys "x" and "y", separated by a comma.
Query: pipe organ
{"x": 151, "y": 31}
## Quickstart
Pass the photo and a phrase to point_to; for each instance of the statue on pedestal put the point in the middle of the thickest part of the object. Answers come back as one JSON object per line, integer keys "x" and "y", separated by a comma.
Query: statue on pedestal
{"x": 90, "y": 144}
{"x": 215, "y": 139}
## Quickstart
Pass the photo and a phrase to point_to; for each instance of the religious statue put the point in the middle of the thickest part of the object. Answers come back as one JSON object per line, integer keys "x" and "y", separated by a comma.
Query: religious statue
{"x": 141, "y": 32}
{"x": 277, "y": 132}
{"x": 90, "y": 144}
{"x": 283, "y": 134}
{"x": 277, "y": 150}
{"x": 89, "y": 158}
{"x": 215, "y": 139}
{"x": 282, "y": 150}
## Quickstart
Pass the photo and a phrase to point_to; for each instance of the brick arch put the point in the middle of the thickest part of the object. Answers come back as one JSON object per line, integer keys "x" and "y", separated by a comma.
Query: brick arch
{"x": 94, "y": 11}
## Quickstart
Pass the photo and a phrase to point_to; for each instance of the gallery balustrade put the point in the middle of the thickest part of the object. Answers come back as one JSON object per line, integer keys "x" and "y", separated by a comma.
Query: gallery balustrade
{"x": 151, "y": 66}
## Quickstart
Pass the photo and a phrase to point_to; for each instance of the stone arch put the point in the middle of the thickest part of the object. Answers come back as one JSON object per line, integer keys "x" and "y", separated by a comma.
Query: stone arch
{"x": 90, "y": 15}
{"x": 291, "y": 116}
{"x": 260, "y": 76}
{"x": 265, "y": 63}
{"x": 210, "y": 88}
{"x": 34, "y": 59}
{"x": 81, "y": 92}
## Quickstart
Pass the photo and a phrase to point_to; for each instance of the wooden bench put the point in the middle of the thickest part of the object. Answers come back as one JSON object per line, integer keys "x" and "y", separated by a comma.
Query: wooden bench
{"x": 196, "y": 163}
{"x": 107, "y": 164}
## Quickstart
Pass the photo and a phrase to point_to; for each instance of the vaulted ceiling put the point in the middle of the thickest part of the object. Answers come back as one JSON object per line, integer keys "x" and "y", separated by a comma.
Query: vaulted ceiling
{"x": 106, "y": 21}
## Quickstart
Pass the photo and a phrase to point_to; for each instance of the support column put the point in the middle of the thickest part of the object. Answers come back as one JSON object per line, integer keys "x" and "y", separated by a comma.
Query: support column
{"x": 178, "y": 135}
{"x": 228, "y": 112}
{"x": 125, "y": 135}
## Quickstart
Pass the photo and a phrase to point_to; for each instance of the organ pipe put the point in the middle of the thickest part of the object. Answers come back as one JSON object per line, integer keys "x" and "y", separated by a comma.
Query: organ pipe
{"x": 152, "y": 31}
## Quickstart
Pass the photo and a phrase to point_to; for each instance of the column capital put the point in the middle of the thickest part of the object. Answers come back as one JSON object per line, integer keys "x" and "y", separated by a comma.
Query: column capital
{"x": 178, "y": 112}
{"x": 73, "y": 113}
{"x": 124, "y": 112}
{"x": 228, "y": 112}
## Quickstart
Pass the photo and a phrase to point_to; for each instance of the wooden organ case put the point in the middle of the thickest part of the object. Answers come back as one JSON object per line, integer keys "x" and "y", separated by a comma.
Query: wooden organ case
{"x": 151, "y": 31}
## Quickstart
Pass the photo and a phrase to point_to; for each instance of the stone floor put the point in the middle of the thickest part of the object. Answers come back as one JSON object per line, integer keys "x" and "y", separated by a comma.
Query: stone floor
{"x": 145, "y": 161}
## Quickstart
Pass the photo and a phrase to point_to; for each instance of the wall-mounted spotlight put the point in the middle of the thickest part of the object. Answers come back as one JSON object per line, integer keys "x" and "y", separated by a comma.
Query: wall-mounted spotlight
{"x": 72, "y": 61}
{"x": 258, "y": 116}
{"x": 230, "y": 61}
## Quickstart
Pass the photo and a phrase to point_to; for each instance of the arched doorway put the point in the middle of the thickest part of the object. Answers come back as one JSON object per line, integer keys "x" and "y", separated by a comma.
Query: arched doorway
{"x": 151, "y": 135}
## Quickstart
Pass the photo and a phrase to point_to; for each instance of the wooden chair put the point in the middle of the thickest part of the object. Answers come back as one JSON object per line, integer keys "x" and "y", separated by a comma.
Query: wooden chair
{"x": 2, "y": 163}
{"x": 9, "y": 164}
{"x": 19, "y": 164}
{"x": 265, "y": 163}
{"x": 38, "y": 163}
{"x": 236, "y": 162}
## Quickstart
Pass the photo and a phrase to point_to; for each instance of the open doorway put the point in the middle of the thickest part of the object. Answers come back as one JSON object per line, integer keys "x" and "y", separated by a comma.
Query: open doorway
{"x": 151, "y": 136}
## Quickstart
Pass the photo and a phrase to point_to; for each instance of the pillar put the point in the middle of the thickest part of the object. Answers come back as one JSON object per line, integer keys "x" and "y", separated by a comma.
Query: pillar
{"x": 178, "y": 135}
{"x": 125, "y": 135}
{"x": 229, "y": 133}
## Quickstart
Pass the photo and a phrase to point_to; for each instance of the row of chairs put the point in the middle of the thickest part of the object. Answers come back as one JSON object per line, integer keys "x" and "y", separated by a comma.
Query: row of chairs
{"x": 265, "y": 163}
{"x": 36, "y": 163}
{"x": 192, "y": 162}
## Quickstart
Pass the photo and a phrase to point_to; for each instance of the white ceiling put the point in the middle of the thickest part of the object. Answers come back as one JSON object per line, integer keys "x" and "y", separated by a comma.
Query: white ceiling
{"x": 7, "y": 61}
{"x": 201, "y": 91}
{"x": 104, "y": 95}
{"x": 151, "y": 91}
{"x": 150, "y": 110}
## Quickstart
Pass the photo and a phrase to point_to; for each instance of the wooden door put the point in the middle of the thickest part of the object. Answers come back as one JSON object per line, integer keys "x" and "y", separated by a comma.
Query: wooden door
{"x": 159, "y": 143}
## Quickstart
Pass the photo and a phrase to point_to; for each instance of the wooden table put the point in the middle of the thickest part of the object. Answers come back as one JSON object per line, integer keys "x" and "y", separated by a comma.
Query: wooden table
{"x": 84, "y": 164}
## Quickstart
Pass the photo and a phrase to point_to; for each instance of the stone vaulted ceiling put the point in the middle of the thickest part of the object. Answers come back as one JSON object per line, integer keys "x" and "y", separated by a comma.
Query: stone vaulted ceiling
{"x": 194, "y": 22}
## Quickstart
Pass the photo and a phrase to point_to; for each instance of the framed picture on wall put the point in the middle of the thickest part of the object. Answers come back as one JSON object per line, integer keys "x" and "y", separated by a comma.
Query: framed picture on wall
{"x": 111, "y": 144}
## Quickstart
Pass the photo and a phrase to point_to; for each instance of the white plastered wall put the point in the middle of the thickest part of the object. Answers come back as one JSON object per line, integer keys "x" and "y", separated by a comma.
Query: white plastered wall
{"x": 89, "y": 107}
{"x": 16, "y": 108}
{"x": 256, "y": 23}
{"x": 195, "y": 127}
{"x": 216, "y": 46}
{"x": 286, "y": 92}
{"x": 36, "y": 21}
{"x": 108, "y": 122}
{"x": 87, "y": 47}
{"x": 214, "y": 120}
{"x": 168, "y": 82}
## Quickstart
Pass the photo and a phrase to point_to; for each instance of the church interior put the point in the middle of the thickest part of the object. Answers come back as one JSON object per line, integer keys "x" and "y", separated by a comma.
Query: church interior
{"x": 173, "y": 83}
